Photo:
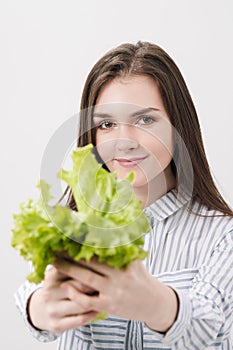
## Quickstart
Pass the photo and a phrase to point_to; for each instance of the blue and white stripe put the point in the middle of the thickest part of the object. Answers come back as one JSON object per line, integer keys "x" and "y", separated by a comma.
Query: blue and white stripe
{"x": 191, "y": 249}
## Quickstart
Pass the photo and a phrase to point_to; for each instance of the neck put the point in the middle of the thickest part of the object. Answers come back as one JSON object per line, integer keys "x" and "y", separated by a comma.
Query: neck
{"x": 156, "y": 188}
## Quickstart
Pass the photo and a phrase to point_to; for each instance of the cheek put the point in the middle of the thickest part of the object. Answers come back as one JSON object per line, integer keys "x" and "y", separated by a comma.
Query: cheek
{"x": 165, "y": 138}
{"x": 159, "y": 160}
{"x": 159, "y": 147}
{"x": 163, "y": 155}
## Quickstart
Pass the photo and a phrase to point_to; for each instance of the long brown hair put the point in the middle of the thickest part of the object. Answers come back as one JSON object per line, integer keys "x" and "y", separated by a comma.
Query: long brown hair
{"x": 146, "y": 58}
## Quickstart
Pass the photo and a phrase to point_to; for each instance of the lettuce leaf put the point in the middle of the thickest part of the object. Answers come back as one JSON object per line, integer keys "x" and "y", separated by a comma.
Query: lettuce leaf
{"x": 109, "y": 223}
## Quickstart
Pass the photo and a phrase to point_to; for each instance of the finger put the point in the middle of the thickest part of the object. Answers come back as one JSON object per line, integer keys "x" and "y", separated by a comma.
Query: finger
{"x": 67, "y": 308}
{"x": 73, "y": 322}
{"x": 54, "y": 276}
{"x": 100, "y": 267}
{"x": 82, "y": 274}
{"x": 84, "y": 302}
{"x": 82, "y": 287}
{"x": 52, "y": 284}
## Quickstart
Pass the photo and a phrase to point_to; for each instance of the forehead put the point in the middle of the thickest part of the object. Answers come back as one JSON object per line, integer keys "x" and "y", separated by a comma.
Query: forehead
{"x": 140, "y": 90}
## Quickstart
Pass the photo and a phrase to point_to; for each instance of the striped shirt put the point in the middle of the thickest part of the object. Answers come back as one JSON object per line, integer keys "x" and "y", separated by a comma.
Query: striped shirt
{"x": 191, "y": 253}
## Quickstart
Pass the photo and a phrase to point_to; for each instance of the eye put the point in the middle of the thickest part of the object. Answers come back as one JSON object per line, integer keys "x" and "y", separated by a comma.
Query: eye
{"x": 145, "y": 120}
{"x": 106, "y": 124}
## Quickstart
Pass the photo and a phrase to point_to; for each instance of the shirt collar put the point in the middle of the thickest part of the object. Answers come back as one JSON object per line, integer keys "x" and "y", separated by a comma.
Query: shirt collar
{"x": 167, "y": 205}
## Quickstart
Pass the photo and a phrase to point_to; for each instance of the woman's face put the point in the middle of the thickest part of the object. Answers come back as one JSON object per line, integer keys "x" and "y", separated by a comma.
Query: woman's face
{"x": 133, "y": 129}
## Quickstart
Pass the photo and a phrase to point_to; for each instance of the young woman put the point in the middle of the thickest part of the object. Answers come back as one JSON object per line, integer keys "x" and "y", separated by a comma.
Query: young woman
{"x": 137, "y": 111}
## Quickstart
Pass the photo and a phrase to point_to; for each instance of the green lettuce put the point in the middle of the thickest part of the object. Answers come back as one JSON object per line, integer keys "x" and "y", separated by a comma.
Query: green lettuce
{"x": 108, "y": 225}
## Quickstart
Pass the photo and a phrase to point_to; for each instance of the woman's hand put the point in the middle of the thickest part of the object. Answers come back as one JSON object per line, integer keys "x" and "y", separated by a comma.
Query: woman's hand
{"x": 52, "y": 307}
{"x": 130, "y": 293}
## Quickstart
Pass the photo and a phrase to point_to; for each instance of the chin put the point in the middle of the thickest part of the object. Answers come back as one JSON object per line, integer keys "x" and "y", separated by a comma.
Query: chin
{"x": 139, "y": 181}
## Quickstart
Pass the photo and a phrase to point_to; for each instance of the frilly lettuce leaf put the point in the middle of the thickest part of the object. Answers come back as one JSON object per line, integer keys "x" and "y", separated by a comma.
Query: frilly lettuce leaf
{"x": 109, "y": 223}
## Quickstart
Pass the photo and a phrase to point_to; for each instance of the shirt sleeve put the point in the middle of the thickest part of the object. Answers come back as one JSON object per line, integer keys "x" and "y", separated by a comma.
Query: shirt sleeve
{"x": 21, "y": 299}
{"x": 206, "y": 308}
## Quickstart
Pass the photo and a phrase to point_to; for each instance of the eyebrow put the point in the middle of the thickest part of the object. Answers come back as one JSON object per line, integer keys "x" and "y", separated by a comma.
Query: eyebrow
{"x": 134, "y": 114}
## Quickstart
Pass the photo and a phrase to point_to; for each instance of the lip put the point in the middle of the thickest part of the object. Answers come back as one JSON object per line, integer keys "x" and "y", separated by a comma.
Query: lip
{"x": 129, "y": 162}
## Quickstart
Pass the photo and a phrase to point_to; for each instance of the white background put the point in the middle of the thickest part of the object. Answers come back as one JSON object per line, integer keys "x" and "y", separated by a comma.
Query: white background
{"x": 48, "y": 47}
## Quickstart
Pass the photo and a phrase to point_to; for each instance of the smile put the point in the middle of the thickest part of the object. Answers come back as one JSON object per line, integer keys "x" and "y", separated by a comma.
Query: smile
{"x": 129, "y": 163}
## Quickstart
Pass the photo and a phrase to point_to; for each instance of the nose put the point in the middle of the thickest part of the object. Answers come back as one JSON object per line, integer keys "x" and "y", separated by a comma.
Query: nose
{"x": 126, "y": 138}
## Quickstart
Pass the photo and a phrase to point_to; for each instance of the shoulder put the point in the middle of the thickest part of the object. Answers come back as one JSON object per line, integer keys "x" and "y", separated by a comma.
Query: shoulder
{"x": 214, "y": 220}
